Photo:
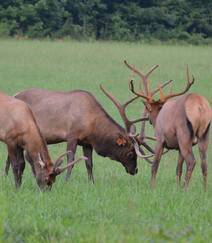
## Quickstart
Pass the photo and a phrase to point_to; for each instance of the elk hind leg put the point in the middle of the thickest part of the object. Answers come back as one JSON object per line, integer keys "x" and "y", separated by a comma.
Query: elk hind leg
{"x": 87, "y": 151}
{"x": 7, "y": 166}
{"x": 203, "y": 146}
{"x": 187, "y": 153}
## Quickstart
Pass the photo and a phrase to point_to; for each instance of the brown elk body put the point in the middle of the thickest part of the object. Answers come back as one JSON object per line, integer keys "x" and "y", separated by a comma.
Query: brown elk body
{"x": 179, "y": 124}
{"x": 77, "y": 118}
{"x": 19, "y": 131}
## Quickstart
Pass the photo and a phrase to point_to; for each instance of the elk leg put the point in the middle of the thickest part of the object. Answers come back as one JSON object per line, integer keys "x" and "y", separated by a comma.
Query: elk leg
{"x": 185, "y": 145}
{"x": 179, "y": 169}
{"x": 18, "y": 164}
{"x": 28, "y": 158}
{"x": 7, "y": 166}
{"x": 71, "y": 146}
{"x": 87, "y": 151}
{"x": 190, "y": 164}
{"x": 21, "y": 163}
{"x": 186, "y": 151}
{"x": 203, "y": 146}
{"x": 158, "y": 153}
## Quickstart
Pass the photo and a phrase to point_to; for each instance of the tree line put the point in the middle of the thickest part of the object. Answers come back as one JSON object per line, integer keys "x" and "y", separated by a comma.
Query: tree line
{"x": 126, "y": 20}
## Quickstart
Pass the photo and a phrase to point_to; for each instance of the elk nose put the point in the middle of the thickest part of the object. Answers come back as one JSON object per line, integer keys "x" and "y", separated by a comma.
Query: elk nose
{"x": 136, "y": 170}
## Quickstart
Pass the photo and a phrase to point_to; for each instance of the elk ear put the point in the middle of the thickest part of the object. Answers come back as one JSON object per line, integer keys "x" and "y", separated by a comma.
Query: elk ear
{"x": 148, "y": 106}
{"x": 121, "y": 141}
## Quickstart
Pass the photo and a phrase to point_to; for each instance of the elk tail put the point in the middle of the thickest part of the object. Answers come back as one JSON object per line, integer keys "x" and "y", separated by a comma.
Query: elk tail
{"x": 190, "y": 128}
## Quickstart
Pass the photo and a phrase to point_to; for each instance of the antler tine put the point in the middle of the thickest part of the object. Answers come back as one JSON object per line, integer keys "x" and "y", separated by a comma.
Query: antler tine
{"x": 60, "y": 170}
{"x": 170, "y": 87}
{"x": 134, "y": 69}
{"x": 188, "y": 78}
{"x": 162, "y": 95}
{"x": 187, "y": 73}
{"x": 59, "y": 160}
{"x": 140, "y": 153}
{"x": 162, "y": 86}
{"x": 141, "y": 75}
{"x": 144, "y": 156}
{"x": 142, "y": 132}
{"x": 151, "y": 70}
{"x": 121, "y": 108}
{"x": 144, "y": 77}
{"x": 138, "y": 94}
{"x": 188, "y": 85}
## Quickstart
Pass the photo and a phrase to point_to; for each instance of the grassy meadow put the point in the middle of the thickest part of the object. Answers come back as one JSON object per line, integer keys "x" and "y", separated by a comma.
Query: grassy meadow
{"x": 119, "y": 207}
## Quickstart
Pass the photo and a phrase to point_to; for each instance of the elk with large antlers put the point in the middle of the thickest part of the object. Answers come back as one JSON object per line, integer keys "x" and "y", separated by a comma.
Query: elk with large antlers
{"x": 77, "y": 118}
{"x": 18, "y": 129}
{"x": 179, "y": 124}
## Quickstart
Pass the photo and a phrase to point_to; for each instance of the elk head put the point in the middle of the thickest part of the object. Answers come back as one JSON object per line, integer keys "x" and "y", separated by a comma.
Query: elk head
{"x": 46, "y": 174}
{"x": 128, "y": 143}
{"x": 153, "y": 107}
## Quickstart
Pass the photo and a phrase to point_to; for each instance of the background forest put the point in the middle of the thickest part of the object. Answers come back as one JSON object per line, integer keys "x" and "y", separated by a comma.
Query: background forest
{"x": 127, "y": 20}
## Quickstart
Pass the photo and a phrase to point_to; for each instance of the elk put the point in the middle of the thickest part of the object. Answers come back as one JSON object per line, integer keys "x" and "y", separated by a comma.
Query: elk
{"x": 19, "y": 131}
{"x": 77, "y": 118}
{"x": 179, "y": 124}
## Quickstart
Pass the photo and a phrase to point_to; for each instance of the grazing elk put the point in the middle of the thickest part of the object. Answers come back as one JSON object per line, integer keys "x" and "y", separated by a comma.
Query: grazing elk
{"x": 19, "y": 131}
{"x": 77, "y": 118}
{"x": 179, "y": 124}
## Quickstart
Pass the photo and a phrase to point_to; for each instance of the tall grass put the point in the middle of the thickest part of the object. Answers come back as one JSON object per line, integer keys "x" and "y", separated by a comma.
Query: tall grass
{"x": 119, "y": 207}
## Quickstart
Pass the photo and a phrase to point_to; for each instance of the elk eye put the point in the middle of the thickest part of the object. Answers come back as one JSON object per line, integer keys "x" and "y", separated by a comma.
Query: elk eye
{"x": 130, "y": 155}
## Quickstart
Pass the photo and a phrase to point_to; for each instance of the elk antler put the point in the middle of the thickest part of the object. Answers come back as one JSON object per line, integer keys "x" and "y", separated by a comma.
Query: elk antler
{"x": 188, "y": 85}
{"x": 147, "y": 94}
{"x": 140, "y": 152}
{"x": 128, "y": 124}
{"x": 121, "y": 108}
{"x": 162, "y": 86}
{"x": 138, "y": 94}
{"x": 59, "y": 160}
{"x": 57, "y": 170}
{"x": 144, "y": 77}
{"x": 142, "y": 95}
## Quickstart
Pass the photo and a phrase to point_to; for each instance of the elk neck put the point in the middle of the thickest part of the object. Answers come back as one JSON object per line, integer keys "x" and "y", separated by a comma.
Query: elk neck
{"x": 106, "y": 133}
{"x": 36, "y": 146}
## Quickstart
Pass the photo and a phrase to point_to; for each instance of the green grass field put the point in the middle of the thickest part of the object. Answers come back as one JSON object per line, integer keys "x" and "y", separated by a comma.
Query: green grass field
{"x": 119, "y": 207}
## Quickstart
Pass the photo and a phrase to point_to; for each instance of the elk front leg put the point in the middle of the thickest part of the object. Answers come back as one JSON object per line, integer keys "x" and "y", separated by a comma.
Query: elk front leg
{"x": 71, "y": 146}
{"x": 18, "y": 163}
{"x": 179, "y": 169}
{"x": 28, "y": 158}
{"x": 7, "y": 166}
{"x": 158, "y": 153}
{"x": 87, "y": 151}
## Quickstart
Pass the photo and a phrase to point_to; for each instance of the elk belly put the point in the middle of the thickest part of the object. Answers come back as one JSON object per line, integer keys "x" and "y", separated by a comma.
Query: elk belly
{"x": 171, "y": 142}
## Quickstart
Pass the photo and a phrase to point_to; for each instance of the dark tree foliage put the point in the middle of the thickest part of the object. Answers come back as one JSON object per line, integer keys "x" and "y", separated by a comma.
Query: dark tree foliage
{"x": 130, "y": 20}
